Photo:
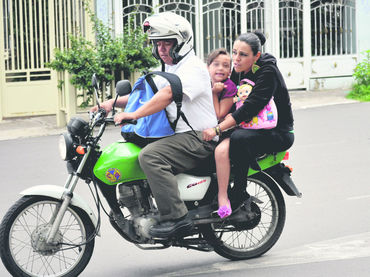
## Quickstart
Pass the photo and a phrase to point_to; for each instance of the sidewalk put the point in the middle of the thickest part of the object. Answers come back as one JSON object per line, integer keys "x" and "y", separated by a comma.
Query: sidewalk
{"x": 46, "y": 125}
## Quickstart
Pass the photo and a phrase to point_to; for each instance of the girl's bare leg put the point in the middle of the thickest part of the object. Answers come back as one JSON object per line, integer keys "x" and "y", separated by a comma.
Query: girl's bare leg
{"x": 223, "y": 171}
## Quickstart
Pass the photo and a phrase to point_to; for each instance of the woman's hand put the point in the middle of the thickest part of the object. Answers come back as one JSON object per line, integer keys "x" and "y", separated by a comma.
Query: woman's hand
{"x": 209, "y": 134}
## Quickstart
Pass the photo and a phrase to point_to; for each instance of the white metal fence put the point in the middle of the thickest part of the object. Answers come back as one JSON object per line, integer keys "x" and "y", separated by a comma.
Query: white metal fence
{"x": 215, "y": 23}
{"x": 291, "y": 28}
{"x": 333, "y": 26}
{"x": 323, "y": 27}
{"x": 26, "y": 40}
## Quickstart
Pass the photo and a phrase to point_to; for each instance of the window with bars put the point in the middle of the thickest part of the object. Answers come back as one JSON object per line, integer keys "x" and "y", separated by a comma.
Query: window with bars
{"x": 139, "y": 9}
{"x": 333, "y": 27}
{"x": 291, "y": 28}
{"x": 26, "y": 34}
{"x": 221, "y": 24}
{"x": 333, "y": 23}
{"x": 27, "y": 40}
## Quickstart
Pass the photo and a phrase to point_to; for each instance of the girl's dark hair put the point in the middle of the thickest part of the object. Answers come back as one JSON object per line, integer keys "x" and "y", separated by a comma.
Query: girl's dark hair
{"x": 215, "y": 53}
{"x": 254, "y": 40}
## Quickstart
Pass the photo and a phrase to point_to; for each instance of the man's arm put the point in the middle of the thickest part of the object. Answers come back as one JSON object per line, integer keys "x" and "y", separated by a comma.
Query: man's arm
{"x": 121, "y": 101}
{"x": 108, "y": 104}
{"x": 158, "y": 102}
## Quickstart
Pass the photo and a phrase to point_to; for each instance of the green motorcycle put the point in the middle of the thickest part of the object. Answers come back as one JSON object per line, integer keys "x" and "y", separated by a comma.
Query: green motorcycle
{"x": 51, "y": 230}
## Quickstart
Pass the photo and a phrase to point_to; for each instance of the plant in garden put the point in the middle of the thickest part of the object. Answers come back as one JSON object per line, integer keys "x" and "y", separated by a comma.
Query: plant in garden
{"x": 361, "y": 87}
{"x": 107, "y": 58}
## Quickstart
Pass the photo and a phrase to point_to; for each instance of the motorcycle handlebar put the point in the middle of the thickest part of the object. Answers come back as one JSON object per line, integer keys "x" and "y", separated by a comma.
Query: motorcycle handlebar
{"x": 125, "y": 121}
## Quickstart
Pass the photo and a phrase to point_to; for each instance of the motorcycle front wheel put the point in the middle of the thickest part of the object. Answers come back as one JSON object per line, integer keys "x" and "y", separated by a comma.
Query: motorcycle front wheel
{"x": 250, "y": 239}
{"x": 24, "y": 250}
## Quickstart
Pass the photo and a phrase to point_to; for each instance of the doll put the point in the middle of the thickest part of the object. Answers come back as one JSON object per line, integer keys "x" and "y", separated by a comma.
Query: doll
{"x": 243, "y": 92}
{"x": 266, "y": 118}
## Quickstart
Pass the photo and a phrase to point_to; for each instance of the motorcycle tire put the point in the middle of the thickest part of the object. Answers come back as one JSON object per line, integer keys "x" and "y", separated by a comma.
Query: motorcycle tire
{"x": 24, "y": 252}
{"x": 253, "y": 238}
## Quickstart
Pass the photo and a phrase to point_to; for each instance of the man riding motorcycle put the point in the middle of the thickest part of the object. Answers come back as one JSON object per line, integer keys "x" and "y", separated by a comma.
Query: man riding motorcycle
{"x": 172, "y": 38}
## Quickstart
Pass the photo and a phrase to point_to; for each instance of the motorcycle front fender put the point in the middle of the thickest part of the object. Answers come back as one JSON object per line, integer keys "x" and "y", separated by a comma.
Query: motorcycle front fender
{"x": 56, "y": 192}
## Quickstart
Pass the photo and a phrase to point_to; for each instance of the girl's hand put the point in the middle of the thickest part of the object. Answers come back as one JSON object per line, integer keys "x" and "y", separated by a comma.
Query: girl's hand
{"x": 209, "y": 134}
{"x": 218, "y": 87}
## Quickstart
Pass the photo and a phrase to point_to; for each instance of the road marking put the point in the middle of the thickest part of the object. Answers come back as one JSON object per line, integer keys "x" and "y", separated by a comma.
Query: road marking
{"x": 358, "y": 197}
{"x": 348, "y": 247}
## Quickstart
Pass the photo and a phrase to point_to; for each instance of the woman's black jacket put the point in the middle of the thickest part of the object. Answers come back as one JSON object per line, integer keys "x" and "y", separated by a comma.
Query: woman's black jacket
{"x": 268, "y": 82}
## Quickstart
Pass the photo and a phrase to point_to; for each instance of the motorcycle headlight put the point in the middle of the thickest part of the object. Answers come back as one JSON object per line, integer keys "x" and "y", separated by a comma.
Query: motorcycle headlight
{"x": 78, "y": 127}
{"x": 66, "y": 146}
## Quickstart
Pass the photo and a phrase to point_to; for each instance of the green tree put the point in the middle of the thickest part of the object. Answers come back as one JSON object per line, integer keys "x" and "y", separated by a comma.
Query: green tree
{"x": 107, "y": 58}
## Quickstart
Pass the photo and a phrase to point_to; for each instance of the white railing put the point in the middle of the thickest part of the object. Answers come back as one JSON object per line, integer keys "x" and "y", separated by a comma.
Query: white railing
{"x": 333, "y": 27}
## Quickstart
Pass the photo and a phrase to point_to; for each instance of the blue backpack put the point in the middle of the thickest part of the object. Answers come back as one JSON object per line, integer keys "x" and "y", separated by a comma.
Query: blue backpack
{"x": 155, "y": 126}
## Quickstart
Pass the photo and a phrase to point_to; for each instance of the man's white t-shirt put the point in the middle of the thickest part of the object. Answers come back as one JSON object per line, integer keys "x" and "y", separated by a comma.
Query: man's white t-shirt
{"x": 197, "y": 103}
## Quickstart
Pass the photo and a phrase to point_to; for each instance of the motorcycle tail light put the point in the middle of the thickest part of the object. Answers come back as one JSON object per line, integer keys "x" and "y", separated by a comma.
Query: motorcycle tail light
{"x": 286, "y": 157}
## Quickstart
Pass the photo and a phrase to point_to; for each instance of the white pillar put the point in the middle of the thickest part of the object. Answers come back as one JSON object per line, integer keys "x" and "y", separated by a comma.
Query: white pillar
{"x": 198, "y": 30}
{"x": 2, "y": 61}
{"x": 243, "y": 17}
{"x": 307, "y": 42}
{"x": 117, "y": 14}
{"x": 272, "y": 27}
{"x": 269, "y": 30}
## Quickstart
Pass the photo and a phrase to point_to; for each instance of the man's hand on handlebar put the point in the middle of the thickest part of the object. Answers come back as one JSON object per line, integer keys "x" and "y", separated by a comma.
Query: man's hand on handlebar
{"x": 106, "y": 105}
{"x": 118, "y": 118}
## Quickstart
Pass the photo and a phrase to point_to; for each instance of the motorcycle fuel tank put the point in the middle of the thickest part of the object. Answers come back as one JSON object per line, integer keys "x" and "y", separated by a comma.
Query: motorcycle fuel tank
{"x": 119, "y": 163}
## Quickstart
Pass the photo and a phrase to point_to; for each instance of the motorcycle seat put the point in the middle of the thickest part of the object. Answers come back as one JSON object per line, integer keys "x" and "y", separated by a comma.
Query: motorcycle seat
{"x": 204, "y": 167}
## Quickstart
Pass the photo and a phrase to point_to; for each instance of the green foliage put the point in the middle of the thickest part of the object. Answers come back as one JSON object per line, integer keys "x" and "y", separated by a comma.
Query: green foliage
{"x": 361, "y": 89}
{"x": 107, "y": 58}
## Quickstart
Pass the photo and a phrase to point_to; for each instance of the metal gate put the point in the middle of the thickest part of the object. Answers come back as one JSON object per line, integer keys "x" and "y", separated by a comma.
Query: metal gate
{"x": 215, "y": 23}
{"x": 313, "y": 40}
{"x": 333, "y": 40}
{"x": 29, "y": 31}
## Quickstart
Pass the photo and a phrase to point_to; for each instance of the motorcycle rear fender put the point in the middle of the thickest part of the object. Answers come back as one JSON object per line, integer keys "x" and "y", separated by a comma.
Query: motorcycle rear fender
{"x": 280, "y": 174}
{"x": 56, "y": 192}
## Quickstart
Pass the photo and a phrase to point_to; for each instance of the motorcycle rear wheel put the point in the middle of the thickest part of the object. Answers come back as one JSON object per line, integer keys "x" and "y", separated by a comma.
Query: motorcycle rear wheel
{"x": 24, "y": 252}
{"x": 251, "y": 239}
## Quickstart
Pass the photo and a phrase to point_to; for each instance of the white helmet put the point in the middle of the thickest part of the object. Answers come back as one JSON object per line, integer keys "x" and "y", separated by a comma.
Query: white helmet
{"x": 168, "y": 25}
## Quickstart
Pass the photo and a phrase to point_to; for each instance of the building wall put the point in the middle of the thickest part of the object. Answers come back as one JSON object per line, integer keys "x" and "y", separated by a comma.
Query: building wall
{"x": 29, "y": 33}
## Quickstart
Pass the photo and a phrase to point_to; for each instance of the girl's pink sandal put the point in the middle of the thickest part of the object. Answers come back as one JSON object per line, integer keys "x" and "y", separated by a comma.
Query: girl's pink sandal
{"x": 224, "y": 211}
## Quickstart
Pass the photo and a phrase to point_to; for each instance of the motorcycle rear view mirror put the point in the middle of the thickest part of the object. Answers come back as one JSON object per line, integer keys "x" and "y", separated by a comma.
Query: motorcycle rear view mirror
{"x": 95, "y": 84}
{"x": 123, "y": 88}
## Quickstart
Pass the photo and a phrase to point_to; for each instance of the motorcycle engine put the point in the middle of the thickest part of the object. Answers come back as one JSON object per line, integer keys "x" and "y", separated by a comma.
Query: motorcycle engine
{"x": 135, "y": 196}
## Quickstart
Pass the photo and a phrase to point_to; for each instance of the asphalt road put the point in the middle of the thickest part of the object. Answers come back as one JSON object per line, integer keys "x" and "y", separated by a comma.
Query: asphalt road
{"x": 327, "y": 231}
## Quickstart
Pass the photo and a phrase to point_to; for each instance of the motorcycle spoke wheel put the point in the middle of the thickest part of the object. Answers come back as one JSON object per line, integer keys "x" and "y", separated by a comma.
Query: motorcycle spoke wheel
{"x": 23, "y": 248}
{"x": 245, "y": 240}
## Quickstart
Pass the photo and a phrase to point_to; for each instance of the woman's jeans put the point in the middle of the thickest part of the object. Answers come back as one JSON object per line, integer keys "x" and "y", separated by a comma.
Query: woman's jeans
{"x": 247, "y": 144}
